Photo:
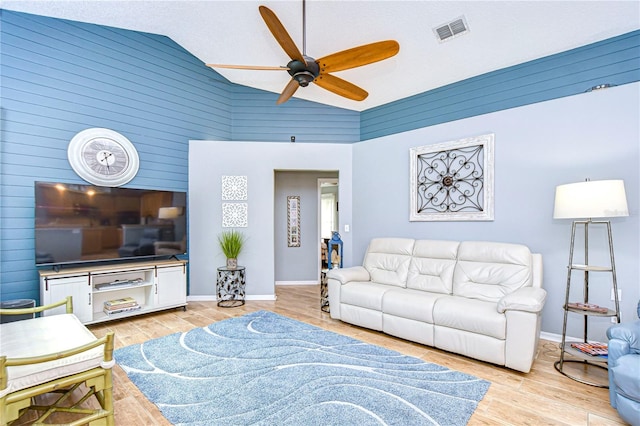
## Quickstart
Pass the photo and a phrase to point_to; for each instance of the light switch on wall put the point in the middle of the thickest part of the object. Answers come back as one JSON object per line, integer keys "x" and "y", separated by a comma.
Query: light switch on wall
{"x": 346, "y": 228}
{"x": 619, "y": 295}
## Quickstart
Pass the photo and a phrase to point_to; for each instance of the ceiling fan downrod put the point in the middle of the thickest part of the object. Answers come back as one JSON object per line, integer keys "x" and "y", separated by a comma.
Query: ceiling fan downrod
{"x": 304, "y": 28}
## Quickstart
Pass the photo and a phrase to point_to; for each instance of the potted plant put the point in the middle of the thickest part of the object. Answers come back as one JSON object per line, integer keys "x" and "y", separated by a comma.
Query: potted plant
{"x": 231, "y": 243}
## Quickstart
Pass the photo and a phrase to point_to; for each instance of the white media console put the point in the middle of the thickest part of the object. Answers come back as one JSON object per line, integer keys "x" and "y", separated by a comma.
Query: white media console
{"x": 154, "y": 286}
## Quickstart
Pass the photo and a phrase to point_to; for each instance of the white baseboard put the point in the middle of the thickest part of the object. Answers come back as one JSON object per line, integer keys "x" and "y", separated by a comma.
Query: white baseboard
{"x": 558, "y": 337}
{"x": 297, "y": 282}
{"x": 260, "y": 297}
{"x": 551, "y": 336}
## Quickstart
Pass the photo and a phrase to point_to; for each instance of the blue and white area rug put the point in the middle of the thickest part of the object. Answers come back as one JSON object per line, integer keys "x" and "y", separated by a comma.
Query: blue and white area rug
{"x": 266, "y": 369}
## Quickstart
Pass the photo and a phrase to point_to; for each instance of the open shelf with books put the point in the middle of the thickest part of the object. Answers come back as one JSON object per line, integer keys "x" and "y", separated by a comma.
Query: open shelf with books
{"x": 585, "y": 353}
{"x": 109, "y": 304}
{"x": 593, "y": 351}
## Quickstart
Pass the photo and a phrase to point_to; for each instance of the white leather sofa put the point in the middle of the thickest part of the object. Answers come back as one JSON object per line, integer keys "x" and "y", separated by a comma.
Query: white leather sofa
{"x": 479, "y": 299}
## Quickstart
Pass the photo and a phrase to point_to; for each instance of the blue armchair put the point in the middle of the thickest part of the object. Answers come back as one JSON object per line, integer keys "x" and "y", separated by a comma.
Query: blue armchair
{"x": 624, "y": 370}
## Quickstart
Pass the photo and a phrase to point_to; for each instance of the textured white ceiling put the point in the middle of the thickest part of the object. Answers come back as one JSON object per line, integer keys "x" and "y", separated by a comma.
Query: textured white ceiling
{"x": 502, "y": 33}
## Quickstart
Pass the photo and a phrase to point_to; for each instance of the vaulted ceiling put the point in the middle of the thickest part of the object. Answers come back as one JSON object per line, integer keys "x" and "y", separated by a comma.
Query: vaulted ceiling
{"x": 500, "y": 34}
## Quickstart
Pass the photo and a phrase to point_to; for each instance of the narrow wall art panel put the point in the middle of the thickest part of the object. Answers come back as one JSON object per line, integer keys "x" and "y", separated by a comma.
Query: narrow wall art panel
{"x": 293, "y": 221}
{"x": 453, "y": 181}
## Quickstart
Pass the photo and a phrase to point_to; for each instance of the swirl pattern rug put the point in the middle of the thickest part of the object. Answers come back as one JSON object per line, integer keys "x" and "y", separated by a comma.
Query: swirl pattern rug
{"x": 266, "y": 369}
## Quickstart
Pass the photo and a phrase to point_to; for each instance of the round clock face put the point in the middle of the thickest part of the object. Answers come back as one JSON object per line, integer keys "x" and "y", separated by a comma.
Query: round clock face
{"x": 103, "y": 157}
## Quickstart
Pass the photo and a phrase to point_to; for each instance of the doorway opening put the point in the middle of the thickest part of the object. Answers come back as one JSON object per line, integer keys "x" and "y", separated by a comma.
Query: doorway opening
{"x": 328, "y": 204}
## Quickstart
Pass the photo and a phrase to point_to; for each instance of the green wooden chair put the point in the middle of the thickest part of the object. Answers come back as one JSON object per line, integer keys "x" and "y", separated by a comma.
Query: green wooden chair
{"x": 54, "y": 354}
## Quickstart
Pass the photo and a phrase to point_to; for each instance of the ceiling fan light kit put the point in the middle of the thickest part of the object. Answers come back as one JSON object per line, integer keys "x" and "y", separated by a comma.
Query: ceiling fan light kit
{"x": 305, "y": 69}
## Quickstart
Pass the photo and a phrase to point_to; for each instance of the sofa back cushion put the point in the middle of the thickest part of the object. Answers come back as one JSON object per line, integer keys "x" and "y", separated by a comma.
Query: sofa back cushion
{"x": 489, "y": 270}
{"x": 387, "y": 260}
{"x": 431, "y": 268}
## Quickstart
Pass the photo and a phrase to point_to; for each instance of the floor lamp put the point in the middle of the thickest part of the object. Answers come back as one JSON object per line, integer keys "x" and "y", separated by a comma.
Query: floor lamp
{"x": 583, "y": 202}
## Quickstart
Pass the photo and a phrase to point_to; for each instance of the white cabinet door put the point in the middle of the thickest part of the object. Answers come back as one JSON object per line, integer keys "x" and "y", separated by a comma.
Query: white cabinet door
{"x": 171, "y": 286}
{"x": 56, "y": 289}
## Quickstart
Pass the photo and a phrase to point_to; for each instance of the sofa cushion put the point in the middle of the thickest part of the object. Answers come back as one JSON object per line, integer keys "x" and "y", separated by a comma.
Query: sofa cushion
{"x": 474, "y": 345}
{"x": 431, "y": 268}
{"x": 364, "y": 294}
{"x": 410, "y": 304}
{"x": 489, "y": 270}
{"x": 473, "y": 315}
{"x": 387, "y": 260}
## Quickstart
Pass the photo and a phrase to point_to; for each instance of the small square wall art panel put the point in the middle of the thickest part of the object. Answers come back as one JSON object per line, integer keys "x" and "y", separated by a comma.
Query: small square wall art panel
{"x": 235, "y": 215}
{"x": 234, "y": 188}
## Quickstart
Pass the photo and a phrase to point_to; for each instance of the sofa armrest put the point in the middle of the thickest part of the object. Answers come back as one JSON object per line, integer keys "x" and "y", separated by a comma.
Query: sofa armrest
{"x": 528, "y": 299}
{"x": 627, "y": 336}
{"x": 345, "y": 275}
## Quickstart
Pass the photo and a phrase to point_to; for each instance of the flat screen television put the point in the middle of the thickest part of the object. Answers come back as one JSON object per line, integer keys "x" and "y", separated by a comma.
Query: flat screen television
{"x": 84, "y": 223}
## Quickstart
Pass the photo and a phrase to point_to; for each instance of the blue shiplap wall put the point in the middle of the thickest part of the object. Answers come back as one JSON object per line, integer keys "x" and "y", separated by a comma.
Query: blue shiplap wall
{"x": 256, "y": 119}
{"x": 59, "y": 77}
{"x": 614, "y": 61}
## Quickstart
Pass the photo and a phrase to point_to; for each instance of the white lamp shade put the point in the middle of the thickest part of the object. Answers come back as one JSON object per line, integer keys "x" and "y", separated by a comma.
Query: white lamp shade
{"x": 591, "y": 199}
{"x": 169, "y": 212}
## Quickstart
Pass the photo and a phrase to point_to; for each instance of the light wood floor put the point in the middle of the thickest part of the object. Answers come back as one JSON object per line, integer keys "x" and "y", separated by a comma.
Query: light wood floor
{"x": 541, "y": 397}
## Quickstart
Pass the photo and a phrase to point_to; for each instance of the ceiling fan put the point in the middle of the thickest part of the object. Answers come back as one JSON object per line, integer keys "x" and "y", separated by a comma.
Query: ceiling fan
{"x": 305, "y": 69}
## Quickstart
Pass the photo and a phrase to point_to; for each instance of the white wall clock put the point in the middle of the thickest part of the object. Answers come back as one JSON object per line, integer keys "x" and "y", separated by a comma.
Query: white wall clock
{"x": 103, "y": 157}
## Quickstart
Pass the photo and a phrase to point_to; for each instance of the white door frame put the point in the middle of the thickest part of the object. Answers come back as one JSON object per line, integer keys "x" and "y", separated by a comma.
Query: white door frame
{"x": 319, "y": 234}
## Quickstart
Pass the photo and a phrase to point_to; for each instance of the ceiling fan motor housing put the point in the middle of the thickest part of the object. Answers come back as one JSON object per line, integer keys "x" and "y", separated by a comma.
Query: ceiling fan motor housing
{"x": 304, "y": 73}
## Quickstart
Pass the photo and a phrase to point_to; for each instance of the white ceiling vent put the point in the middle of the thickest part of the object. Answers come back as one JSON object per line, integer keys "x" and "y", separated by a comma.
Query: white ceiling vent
{"x": 452, "y": 29}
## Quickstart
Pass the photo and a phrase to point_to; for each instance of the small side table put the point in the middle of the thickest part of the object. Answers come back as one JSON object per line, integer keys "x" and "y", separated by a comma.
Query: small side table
{"x": 324, "y": 292}
{"x": 230, "y": 287}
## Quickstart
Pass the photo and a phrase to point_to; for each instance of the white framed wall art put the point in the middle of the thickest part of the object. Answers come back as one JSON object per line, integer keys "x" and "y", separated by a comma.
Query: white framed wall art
{"x": 453, "y": 181}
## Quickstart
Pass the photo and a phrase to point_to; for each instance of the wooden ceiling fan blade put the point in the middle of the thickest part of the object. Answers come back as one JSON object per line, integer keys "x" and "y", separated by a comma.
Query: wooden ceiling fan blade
{"x": 281, "y": 34}
{"x": 341, "y": 87}
{"x": 288, "y": 91}
{"x": 358, "y": 56}
{"x": 249, "y": 67}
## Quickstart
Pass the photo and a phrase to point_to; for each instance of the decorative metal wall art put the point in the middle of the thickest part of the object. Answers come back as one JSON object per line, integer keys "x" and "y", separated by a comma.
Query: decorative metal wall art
{"x": 234, "y": 188}
{"x": 235, "y": 215}
{"x": 293, "y": 221}
{"x": 453, "y": 181}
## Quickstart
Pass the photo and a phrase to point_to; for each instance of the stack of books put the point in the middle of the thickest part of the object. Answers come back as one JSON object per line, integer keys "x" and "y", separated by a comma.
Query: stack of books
{"x": 118, "y": 306}
{"x": 594, "y": 348}
{"x": 587, "y": 307}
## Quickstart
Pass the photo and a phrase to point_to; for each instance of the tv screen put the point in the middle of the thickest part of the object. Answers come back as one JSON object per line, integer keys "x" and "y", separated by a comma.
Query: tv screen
{"x": 84, "y": 223}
